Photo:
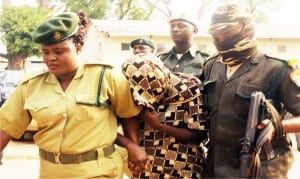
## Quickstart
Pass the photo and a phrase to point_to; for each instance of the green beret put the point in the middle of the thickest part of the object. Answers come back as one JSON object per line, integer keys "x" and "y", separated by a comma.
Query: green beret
{"x": 142, "y": 41}
{"x": 56, "y": 29}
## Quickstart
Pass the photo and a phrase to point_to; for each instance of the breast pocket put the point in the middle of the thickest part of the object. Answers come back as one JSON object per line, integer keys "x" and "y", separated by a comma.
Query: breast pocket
{"x": 243, "y": 95}
{"x": 244, "y": 90}
{"x": 39, "y": 110}
{"x": 87, "y": 108}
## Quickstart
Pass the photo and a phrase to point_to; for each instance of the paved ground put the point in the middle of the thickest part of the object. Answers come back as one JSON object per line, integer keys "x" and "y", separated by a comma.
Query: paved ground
{"x": 21, "y": 161}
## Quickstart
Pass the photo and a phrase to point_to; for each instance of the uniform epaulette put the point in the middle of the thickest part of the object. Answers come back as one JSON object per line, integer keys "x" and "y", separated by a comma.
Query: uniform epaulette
{"x": 203, "y": 53}
{"x": 31, "y": 75}
{"x": 162, "y": 55}
{"x": 276, "y": 57}
{"x": 210, "y": 58}
{"x": 96, "y": 62}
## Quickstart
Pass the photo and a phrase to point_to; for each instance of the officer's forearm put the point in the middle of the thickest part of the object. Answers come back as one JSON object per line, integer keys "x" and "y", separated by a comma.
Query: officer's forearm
{"x": 131, "y": 128}
{"x": 4, "y": 139}
{"x": 122, "y": 141}
{"x": 291, "y": 125}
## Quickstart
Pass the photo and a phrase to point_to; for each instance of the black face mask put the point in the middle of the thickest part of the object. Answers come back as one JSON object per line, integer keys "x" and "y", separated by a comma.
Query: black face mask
{"x": 228, "y": 44}
{"x": 234, "y": 52}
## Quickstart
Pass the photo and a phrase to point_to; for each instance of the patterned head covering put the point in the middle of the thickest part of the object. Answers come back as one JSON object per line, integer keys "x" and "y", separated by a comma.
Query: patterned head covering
{"x": 153, "y": 83}
{"x": 239, "y": 47}
{"x": 154, "y": 86}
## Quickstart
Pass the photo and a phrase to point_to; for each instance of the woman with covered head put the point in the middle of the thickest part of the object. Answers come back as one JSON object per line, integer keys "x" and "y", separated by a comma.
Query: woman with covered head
{"x": 173, "y": 130}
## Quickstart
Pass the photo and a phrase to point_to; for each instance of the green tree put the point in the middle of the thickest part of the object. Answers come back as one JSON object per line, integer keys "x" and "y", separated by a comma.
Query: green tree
{"x": 120, "y": 9}
{"x": 259, "y": 8}
{"x": 135, "y": 9}
{"x": 96, "y": 9}
{"x": 17, "y": 24}
{"x": 149, "y": 9}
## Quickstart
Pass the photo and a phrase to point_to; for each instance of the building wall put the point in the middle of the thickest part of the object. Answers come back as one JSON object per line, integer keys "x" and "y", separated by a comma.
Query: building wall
{"x": 283, "y": 48}
{"x": 113, "y": 54}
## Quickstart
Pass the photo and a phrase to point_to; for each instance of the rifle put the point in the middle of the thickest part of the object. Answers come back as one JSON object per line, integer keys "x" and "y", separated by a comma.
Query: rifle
{"x": 254, "y": 141}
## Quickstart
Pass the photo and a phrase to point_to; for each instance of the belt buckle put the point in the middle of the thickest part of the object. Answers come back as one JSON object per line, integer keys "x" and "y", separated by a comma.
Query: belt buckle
{"x": 56, "y": 158}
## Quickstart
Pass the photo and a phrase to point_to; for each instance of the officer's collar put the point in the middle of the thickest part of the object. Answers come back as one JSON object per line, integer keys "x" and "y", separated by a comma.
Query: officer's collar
{"x": 257, "y": 57}
{"x": 52, "y": 78}
{"x": 192, "y": 50}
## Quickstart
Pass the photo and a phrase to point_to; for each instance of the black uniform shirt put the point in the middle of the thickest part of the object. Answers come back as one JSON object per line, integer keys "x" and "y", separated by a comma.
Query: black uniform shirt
{"x": 228, "y": 103}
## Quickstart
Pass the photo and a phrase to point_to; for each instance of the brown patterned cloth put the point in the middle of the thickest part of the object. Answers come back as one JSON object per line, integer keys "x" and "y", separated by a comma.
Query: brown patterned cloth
{"x": 178, "y": 99}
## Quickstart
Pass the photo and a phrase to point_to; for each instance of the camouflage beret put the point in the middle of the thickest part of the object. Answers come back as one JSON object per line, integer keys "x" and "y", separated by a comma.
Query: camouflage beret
{"x": 142, "y": 41}
{"x": 229, "y": 15}
{"x": 56, "y": 29}
{"x": 185, "y": 18}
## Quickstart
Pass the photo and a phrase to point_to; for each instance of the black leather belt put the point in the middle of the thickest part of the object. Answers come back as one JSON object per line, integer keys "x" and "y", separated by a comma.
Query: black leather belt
{"x": 60, "y": 158}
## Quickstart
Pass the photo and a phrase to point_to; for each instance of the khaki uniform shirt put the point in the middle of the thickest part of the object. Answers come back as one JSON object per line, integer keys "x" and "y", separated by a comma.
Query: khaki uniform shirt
{"x": 79, "y": 119}
{"x": 190, "y": 62}
{"x": 228, "y": 103}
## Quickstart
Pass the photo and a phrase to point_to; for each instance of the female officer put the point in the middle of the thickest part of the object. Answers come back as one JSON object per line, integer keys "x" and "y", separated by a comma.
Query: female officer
{"x": 75, "y": 106}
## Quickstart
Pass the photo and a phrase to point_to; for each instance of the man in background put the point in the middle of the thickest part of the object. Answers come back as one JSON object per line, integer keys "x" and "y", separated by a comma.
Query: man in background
{"x": 142, "y": 46}
{"x": 184, "y": 56}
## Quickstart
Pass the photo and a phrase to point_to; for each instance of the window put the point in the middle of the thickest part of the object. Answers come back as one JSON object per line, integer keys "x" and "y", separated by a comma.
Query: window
{"x": 281, "y": 48}
{"x": 125, "y": 46}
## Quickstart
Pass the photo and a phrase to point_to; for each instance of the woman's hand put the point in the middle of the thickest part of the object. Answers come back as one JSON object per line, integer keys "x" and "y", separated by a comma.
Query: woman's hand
{"x": 137, "y": 158}
{"x": 152, "y": 118}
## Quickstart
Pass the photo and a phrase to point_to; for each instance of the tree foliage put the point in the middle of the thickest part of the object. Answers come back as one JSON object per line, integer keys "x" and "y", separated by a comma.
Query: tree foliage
{"x": 95, "y": 8}
{"x": 134, "y": 9}
{"x": 18, "y": 23}
{"x": 149, "y": 9}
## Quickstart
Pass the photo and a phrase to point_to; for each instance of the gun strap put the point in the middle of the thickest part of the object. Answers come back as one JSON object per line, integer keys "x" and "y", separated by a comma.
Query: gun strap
{"x": 275, "y": 119}
{"x": 255, "y": 167}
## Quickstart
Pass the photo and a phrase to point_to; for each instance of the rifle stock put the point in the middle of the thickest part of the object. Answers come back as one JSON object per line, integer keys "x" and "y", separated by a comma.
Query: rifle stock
{"x": 249, "y": 155}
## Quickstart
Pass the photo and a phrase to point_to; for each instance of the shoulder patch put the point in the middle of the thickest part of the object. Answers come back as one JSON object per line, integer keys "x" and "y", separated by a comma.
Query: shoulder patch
{"x": 96, "y": 62}
{"x": 31, "y": 75}
{"x": 294, "y": 63}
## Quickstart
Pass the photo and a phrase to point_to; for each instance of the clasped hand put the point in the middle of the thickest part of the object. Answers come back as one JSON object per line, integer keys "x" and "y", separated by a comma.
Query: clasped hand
{"x": 263, "y": 124}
